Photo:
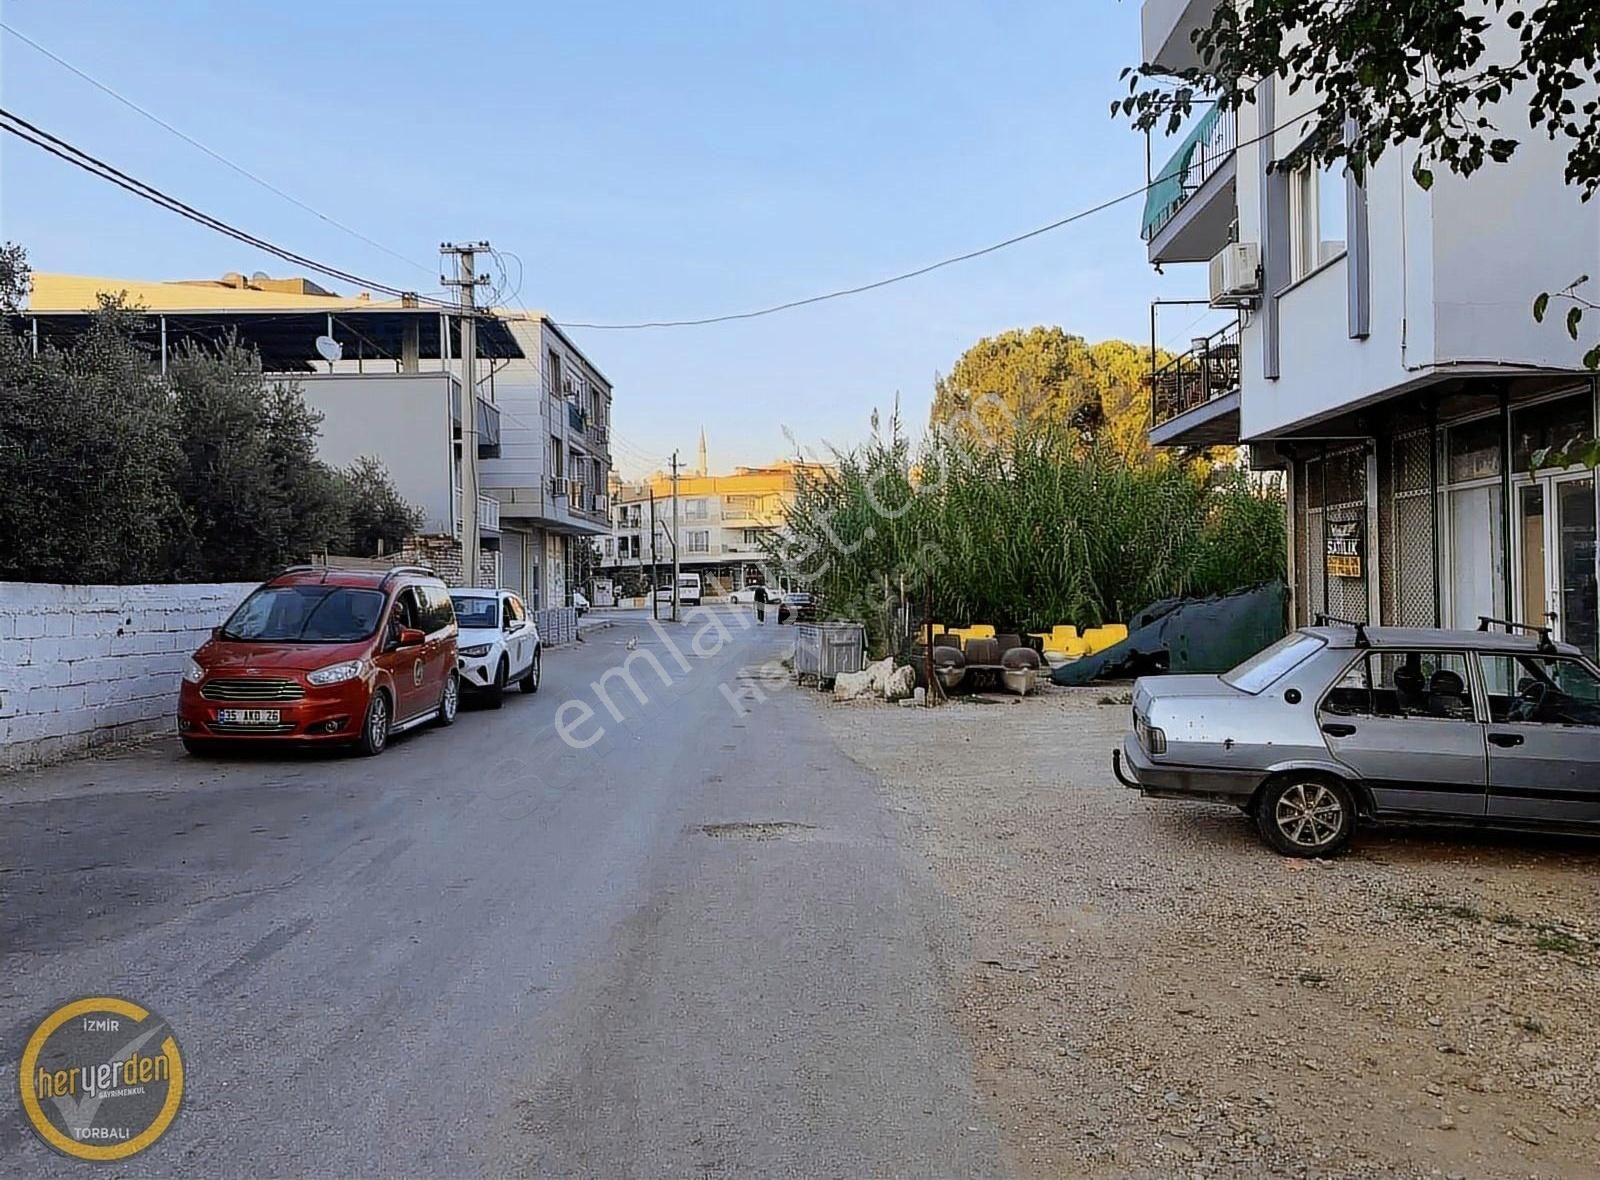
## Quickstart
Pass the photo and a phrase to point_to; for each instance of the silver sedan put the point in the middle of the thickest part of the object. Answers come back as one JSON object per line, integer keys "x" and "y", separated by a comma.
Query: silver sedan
{"x": 1338, "y": 724}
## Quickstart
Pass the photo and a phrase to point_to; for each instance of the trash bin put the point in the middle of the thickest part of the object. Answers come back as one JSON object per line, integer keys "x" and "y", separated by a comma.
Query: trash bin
{"x": 824, "y": 650}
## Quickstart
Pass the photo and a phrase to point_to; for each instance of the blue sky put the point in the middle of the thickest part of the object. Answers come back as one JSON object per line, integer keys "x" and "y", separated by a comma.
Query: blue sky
{"x": 642, "y": 164}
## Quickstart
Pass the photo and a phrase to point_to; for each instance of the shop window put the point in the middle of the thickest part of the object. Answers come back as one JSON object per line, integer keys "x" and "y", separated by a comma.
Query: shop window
{"x": 1474, "y": 450}
{"x": 1558, "y": 424}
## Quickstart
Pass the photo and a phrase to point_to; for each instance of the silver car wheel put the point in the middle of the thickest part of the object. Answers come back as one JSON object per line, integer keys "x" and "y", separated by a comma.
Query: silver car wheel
{"x": 1309, "y": 815}
{"x": 378, "y": 722}
{"x": 452, "y": 697}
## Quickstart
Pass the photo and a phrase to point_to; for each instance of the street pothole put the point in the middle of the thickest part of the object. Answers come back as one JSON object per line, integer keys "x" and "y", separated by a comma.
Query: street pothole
{"x": 779, "y": 829}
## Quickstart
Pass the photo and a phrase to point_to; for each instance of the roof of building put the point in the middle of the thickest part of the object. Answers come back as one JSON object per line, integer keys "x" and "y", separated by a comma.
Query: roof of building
{"x": 280, "y": 318}
{"x": 770, "y": 479}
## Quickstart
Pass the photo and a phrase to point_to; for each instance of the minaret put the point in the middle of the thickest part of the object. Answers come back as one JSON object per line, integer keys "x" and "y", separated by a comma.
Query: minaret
{"x": 700, "y": 457}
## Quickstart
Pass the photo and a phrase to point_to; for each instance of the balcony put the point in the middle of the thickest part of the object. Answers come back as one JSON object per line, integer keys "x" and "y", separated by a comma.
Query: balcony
{"x": 584, "y": 423}
{"x": 1194, "y": 398}
{"x": 1168, "y": 28}
{"x": 488, "y": 514}
{"x": 488, "y": 423}
{"x": 1193, "y": 203}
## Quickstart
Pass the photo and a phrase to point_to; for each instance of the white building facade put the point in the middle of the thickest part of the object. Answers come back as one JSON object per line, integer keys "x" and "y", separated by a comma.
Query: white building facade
{"x": 553, "y": 470}
{"x": 1386, "y": 358}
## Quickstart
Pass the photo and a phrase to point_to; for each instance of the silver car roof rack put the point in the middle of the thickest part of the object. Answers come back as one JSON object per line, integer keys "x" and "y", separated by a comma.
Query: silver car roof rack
{"x": 1323, "y": 620}
{"x": 1546, "y": 643}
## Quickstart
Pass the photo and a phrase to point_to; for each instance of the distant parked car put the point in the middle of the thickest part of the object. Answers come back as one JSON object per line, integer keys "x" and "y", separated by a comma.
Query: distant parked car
{"x": 745, "y": 594}
{"x": 580, "y": 603}
{"x": 499, "y": 643}
{"x": 689, "y": 590}
{"x": 797, "y": 606}
{"x": 1338, "y": 724}
{"x": 325, "y": 656}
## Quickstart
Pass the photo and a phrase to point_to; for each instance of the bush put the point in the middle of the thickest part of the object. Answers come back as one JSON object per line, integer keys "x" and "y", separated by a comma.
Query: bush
{"x": 1025, "y": 535}
{"x": 113, "y": 473}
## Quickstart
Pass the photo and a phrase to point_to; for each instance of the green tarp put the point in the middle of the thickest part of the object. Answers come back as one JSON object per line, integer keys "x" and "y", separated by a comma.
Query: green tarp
{"x": 1188, "y": 635}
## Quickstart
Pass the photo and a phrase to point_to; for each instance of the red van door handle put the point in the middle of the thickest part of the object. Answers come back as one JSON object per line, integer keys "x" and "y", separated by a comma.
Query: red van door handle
{"x": 1338, "y": 729}
{"x": 1506, "y": 740}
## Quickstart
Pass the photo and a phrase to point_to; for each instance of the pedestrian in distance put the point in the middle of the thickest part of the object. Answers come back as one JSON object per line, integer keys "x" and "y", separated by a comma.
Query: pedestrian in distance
{"x": 761, "y": 604}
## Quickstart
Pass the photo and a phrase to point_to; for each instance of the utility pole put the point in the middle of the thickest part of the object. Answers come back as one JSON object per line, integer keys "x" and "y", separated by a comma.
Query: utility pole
{"x": 674, "y": 536}
{"x": 655, "y": 568}
{"x": 467, "y": 281}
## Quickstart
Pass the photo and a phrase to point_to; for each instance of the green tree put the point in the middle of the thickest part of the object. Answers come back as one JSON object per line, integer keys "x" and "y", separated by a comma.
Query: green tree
{"x": 257, "y": 497}
{"x": 377, "y": 519}
{"x": 1025, "y": 534}
{"x": 87, "y": 453}
{"x": 1004, "y": 384}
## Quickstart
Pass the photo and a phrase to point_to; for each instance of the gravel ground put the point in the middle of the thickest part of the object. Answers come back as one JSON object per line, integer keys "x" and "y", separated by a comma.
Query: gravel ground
{"x": 1154, "y": 993}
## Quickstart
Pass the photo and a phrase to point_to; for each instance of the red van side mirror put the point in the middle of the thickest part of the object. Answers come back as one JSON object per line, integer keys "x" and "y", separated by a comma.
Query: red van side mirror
{"x": 411, "y": 637}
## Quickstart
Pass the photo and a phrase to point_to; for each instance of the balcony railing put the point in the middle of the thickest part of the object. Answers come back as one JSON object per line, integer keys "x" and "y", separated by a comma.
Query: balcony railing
{"x": 1203, "y": 151}
{"x": 1208, "y": 370}
{"x": 488, "y": 514}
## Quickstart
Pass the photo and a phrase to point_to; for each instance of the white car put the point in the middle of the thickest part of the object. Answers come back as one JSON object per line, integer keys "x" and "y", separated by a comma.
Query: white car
{"x": 747, "y": 594}
{"x": 496, "y": 643}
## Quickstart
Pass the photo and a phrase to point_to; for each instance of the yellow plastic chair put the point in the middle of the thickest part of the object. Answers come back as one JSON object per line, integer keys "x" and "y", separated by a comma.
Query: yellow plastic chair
{"x": 980, "y": 631}
{"x": 1100, "y": 638}
{"x": 1062, "y": 639}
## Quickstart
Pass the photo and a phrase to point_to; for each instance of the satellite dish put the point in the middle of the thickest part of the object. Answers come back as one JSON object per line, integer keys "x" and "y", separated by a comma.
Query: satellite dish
{"x": 329, "y": 349}
{"x": 261, "y": 276}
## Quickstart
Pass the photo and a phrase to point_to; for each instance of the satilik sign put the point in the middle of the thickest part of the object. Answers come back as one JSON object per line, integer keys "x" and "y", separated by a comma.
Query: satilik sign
{"x": 1345, "y": 541}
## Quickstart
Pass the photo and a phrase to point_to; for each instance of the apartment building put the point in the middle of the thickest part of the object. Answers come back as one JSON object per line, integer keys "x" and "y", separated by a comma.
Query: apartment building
{"x": 395, "y": 392}
{"x": 725, "y": 524}
{"x": 1384, "y": 356}
{"x": 552, "y": 476}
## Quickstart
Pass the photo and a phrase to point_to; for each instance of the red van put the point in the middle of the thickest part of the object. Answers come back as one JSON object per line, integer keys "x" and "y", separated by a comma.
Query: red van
{"x": 326, "y": 655}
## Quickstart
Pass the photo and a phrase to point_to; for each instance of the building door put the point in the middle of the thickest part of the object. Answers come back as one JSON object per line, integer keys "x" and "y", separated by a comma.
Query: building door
{"x": 1474, "y": 579}
{"x": 1554, "y": 548}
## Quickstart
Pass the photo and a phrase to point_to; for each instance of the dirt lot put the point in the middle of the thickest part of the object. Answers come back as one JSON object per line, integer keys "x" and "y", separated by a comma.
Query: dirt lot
{"x": 1153, "y": 993}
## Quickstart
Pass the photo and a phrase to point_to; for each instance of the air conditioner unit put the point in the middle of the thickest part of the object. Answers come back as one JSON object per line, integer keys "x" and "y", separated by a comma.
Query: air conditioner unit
{"x": 1236, "y": 275}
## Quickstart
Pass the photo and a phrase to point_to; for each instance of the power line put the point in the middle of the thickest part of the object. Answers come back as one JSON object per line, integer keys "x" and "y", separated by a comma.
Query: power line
{"x": 922, "y": 270}
{"x": 95, "y": 166}
{"x": 873, "y": 286}
{"x": 213, "y": 153}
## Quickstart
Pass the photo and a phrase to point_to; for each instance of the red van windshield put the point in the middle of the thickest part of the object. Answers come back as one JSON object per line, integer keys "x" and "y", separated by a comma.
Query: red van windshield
{"x": 305, "y": 614}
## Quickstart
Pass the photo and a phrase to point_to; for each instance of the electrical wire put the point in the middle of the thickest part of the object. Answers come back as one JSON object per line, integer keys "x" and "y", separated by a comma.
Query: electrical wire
{"x": 93, "y": 165}
{"x": 212, "y": 152}
{"x": 56, "y": 146}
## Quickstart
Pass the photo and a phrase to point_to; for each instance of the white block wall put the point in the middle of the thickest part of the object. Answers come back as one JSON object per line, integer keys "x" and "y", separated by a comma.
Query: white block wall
{"x": 86, "y": 666}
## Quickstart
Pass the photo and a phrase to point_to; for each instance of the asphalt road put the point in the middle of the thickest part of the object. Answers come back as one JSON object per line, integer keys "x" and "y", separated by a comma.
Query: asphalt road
{"x": 696, "y": 947}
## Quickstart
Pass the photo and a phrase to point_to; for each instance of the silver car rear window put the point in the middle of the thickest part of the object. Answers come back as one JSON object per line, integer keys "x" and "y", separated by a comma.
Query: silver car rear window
{"x": 1269, "y": 663}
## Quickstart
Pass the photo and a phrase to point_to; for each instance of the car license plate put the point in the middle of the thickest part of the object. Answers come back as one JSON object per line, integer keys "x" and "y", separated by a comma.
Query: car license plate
{"x": 248, "y": 716}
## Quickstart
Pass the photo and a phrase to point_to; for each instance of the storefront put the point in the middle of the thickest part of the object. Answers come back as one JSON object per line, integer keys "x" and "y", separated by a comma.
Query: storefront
{"x": 1451, "y": 509}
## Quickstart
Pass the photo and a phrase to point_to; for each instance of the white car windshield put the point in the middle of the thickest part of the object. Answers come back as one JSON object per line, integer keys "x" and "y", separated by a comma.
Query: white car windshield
{"x": 1269, "y": 663}
{"x": 476, "y": 610}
